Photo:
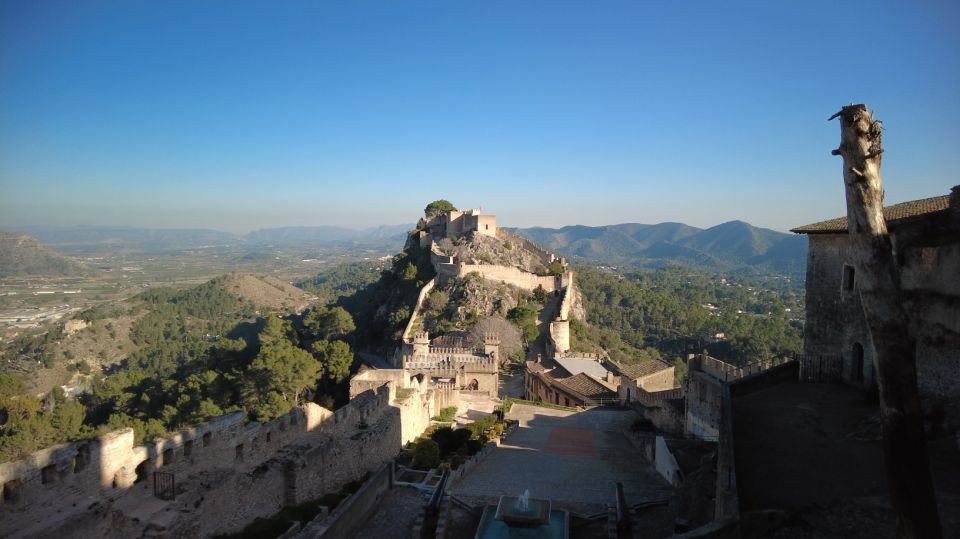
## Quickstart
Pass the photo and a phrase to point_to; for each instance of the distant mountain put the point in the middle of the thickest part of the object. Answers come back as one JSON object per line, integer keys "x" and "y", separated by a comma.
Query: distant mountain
{"x": 22, "y": 255}
{"x": 325, "y": 235}
{"x": 735, "y": 246}
{"x": 121, "y": 238}
{"x": 83, "y": 239}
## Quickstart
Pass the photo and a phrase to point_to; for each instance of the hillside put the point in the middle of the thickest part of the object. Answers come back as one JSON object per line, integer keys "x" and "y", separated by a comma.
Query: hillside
{"x": 21, "y": 255}
{"x": 735, "y": 246}
{"x": 268, "y": 292}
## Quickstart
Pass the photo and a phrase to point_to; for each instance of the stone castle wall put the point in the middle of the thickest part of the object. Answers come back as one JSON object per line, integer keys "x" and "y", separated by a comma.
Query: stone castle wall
{"x": 226, "y": 472}
{"x": 928, "y": 255}
{"x": 424, "y": 292}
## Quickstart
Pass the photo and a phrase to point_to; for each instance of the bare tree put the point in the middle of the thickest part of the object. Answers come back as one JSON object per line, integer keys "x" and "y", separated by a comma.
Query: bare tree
{"x": 878, "y": 281}
{"x": 511, "y": 344}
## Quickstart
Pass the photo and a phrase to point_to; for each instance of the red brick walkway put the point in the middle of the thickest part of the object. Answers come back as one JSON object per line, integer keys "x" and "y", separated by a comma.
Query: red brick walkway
{"x": 570, "y": 441}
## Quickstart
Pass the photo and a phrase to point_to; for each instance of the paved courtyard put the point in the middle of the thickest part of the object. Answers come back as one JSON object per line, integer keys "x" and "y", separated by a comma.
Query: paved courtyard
{"x": 573, "y": 458}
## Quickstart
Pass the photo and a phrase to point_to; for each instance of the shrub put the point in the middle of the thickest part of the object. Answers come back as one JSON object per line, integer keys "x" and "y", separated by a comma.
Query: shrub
{"x": 426, "y": 455}
{"x": 449, "y": 440}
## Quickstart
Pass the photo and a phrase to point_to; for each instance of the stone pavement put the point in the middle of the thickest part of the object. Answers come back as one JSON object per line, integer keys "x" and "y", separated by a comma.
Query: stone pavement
{"x": 395, "y": 514}
{"x": 573, "y": 458}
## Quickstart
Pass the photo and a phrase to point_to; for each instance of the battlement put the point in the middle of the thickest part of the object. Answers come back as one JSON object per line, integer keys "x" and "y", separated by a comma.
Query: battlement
{"x": 248, "y": 470}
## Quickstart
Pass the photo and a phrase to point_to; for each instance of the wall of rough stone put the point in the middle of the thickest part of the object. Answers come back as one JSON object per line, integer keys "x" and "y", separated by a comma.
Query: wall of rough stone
{"x": 509, "y": 275}
{"x": 352, "y": 512}
{"x": 835, "y": 320}
{"x": 703, "y": 405}
{"x": 226, "y": 472}
{"x": 928, "y": 254}
{"x": 424, "y": 292}
{"x": 658, "y": 381}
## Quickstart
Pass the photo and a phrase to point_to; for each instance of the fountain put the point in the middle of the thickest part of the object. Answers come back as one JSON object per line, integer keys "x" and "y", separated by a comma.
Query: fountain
{"x": 523, "y": 516}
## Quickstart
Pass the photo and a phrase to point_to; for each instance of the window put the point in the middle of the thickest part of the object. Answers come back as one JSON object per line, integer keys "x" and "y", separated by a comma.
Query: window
{"x": 188, "y": 448}
{"x": 240, "y": 452}
{"x": 207, "y": 438}
{"x": 269, "y": 436}
{"x": 848, "y": 278}
{"x": 167, "y": 457}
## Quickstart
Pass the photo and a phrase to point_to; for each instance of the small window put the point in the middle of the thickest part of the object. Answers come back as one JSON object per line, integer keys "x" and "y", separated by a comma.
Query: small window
{"x": 293, "y": 420}
{"x": 188, "y": 448}
{"x": 48, "y": 474}
{"x": 167, "y": 457}
{"x": 269, "y": 436}
{"x": 848, "y": 277}
{"x": 240, "y": 453}
{"x": 207, "y": 438}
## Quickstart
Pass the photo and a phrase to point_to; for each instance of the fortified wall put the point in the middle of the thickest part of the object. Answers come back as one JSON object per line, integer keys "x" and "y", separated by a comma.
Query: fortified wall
{"x": 214, "y": 477}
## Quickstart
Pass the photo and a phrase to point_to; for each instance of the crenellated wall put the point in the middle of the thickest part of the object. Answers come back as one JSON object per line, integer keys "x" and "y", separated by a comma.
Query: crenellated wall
{"x": 224, "y": 472}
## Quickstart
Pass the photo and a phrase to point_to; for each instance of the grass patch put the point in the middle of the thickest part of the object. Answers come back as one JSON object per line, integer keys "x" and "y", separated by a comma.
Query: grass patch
{"x": 510, "y": 401}
{"x": 446, "y": 414}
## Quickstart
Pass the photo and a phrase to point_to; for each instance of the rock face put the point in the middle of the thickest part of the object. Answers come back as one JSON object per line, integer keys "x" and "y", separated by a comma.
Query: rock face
{"x": 480, "y": 249}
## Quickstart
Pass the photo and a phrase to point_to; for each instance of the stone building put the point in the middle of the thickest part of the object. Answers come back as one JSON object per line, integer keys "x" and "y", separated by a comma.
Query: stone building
{"x": 926, "y": 240}
{"x": 574, "y": 380}
{"x": 649, "y": 376}
{"x": 467, "y": 368}
{"x": 458, "y": 223}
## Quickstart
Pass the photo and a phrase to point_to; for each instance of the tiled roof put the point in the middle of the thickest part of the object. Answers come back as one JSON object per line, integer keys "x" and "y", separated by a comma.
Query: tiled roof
{"x": 533, "y": 366}
{"x": 576, "y": 366}
{"x": 892, "y": 214}
{"x": 645, "y": 368}
{"x": 583, "y": 384}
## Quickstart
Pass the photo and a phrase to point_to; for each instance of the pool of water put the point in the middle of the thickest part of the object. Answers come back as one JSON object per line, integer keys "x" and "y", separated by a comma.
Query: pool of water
{"x": 490, "y": 528}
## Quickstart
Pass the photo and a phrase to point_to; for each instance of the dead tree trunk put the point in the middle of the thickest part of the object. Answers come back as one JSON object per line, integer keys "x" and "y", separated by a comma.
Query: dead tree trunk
{"x": 878, "y": 281}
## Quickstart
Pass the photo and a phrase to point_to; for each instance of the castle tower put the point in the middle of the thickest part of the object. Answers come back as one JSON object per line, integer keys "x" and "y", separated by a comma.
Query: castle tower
{"x": 560, "y": 335}
{"x": 421, "y": 344}
{"x": 491, "y": 345}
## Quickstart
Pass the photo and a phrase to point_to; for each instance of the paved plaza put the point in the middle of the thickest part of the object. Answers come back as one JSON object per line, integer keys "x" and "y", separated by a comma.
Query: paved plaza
{"x": 572, "y": 458}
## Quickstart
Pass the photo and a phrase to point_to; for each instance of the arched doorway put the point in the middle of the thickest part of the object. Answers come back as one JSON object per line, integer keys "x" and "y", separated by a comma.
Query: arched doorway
{"x": 858, "y": 366}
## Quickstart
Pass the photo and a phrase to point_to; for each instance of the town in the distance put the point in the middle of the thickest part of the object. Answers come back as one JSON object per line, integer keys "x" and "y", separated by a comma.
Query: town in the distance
{"x": 460, "y": 378}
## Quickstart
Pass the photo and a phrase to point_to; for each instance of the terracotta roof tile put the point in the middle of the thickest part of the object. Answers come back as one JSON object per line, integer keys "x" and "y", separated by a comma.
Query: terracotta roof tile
{"x": 583, "y": 384}
{"x": 645, "y": 368}
{"x": 892, "y": 214}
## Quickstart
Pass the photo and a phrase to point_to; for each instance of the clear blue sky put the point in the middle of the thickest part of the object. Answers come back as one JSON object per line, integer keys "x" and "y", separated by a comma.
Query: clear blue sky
{"x": 241, "y": 115}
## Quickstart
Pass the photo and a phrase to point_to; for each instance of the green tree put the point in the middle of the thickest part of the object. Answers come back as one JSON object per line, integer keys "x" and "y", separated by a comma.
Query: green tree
{"x": 525, "y": 318}
{"x": 336, "y": 358}
{"x": 437, "y": 207}
{"x": 279, "y": 374}
{"x": 327, "y": 323}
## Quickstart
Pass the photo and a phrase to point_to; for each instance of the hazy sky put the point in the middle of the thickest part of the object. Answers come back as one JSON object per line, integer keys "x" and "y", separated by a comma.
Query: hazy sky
{"x": 241, "y": 115}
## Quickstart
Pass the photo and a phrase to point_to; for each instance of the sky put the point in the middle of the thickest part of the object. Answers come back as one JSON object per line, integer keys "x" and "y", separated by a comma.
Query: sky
{"x": 243, "y": 115}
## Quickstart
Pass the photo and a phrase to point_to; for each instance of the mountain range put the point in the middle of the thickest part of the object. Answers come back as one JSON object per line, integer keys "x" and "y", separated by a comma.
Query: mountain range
{"x": 78, "y": 239}
{"x": 734, "y": 246}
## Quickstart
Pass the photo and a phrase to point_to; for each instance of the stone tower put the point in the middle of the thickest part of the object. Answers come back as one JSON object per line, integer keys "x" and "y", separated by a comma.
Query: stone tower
{"x": 491, "y": 345}
{"x": 421, "y": 344}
